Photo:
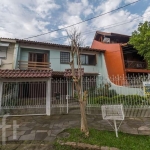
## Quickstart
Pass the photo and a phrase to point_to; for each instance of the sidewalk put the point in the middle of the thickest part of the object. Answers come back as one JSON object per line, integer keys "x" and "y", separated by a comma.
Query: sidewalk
{"x": 46, "y": 128}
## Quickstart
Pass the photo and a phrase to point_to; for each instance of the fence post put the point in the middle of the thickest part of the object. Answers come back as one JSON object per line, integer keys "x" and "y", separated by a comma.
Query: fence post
{"x": 1, "y": 90}
{"x": 67, "y": 96}
{"x": 48, "y": 97}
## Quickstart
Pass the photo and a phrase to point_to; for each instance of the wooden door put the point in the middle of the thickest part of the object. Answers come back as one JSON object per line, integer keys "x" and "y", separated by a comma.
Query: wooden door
{"x": 32, "y": 58}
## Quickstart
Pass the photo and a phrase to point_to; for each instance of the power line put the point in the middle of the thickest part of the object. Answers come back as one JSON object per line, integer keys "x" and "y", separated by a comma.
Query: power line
{"x": 84, "y": 20}
{"x": 107, "y": 27}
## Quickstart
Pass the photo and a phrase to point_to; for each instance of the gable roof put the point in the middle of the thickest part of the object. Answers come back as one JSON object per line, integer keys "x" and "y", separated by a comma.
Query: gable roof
{"x": 47, "y": 44}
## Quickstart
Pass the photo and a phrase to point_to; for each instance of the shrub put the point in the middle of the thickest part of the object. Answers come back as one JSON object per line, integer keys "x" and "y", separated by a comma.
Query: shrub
{"x": 121, "y": 99}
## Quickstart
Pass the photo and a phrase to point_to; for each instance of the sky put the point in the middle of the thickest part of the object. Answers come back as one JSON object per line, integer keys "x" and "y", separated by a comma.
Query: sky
{"x": 26, "y": 18}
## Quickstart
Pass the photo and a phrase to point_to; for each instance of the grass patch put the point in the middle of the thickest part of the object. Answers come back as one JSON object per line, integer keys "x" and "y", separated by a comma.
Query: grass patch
{"x": 107, "y": 138}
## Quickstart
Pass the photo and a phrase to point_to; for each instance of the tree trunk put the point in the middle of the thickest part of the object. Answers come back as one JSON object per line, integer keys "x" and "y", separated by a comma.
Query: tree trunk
{"x": 82, "y": 103}
{"x": 84, "y": 126}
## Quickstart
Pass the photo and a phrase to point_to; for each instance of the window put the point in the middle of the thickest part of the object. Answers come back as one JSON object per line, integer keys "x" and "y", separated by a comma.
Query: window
{"x": 38, "y": 57}
{"x": 64, "y": 57}
{"x": 88, "y": 59}
{"x": 3, "y": 52}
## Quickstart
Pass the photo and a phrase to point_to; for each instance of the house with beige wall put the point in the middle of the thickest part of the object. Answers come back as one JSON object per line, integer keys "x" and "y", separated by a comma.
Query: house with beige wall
{"x": 7, "y": 53}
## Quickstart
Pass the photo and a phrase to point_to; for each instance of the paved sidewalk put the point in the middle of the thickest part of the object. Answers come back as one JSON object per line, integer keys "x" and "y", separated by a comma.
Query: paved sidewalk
{"x": 46, "y": 128}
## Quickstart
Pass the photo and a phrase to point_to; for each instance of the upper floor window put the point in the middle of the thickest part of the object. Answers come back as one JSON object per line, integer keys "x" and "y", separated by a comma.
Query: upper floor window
{"x": 64, "y": 57}
{"x": 3, "y": 52}
{"x": 38, "y": 57}
{"x": 87, "y": 59}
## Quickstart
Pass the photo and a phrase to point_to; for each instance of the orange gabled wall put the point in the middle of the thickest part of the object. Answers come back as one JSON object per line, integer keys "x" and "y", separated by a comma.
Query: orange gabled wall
{"x": 113, "y": 57}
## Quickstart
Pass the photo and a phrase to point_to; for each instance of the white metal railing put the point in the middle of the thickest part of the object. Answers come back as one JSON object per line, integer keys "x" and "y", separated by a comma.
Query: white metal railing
{"x": 23, "y": 94}
{"x": 115, "y": 90}
{"x": 101, "y": 91}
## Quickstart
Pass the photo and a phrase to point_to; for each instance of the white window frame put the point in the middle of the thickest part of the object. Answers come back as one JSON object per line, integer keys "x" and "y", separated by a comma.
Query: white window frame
{"x": 3, "y": 52}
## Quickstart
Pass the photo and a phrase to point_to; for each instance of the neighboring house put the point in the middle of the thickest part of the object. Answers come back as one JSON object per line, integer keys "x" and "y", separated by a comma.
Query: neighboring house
{"x": 121, "y": 58}
{"x": 7, "y": 52}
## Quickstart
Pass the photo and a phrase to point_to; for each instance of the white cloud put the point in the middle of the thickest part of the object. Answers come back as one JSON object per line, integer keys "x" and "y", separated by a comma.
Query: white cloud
{"x": 108, "y": 5}
{"x": 27, "y": 18}
{"x": 88, "y": 11}
{"x": 129, "y": 1}
{"x": 146, "y": 14}
{"x": 20, "y": 19}
{"x": 74, "y": 8}
{"x": 78, "y": 8}
{"x": 114, "y": 20}
{"x": 85, "y": 2}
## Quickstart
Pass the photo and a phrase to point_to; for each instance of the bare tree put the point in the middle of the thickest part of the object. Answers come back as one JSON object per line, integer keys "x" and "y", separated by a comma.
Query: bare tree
{"x": 76, "y": 42}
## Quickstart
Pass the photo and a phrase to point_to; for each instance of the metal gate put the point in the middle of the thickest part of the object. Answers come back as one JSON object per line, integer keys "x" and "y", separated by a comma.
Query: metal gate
{"x": 23, "y": 98}
{"x": 63, "y": 96}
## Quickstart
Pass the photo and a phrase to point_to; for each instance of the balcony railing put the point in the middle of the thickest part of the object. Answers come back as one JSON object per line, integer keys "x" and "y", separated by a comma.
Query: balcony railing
{"x": 135, "y": 64}
{"x": 23, "y": 65}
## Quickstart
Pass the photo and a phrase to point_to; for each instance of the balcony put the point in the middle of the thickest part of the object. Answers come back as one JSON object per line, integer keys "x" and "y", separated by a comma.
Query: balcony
{"x": 26, "y": 65}
{"x": 135, "y": 65}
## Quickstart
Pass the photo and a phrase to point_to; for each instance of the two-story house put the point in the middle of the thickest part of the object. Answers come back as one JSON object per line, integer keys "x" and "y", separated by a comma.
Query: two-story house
{"x": 121, "y": 58}
{"x": 32, "y": 62}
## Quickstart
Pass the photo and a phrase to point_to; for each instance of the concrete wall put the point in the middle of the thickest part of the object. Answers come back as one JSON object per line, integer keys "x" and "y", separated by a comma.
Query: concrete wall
{"x": 121, "y": 90}
{"x": 113, "y": 56}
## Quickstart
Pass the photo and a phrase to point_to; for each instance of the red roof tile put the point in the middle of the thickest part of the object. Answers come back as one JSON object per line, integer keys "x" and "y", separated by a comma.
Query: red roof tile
{"x": 25, "y": 73}
{"x": 68, "y": 72}
{"x": 62, "y": 73}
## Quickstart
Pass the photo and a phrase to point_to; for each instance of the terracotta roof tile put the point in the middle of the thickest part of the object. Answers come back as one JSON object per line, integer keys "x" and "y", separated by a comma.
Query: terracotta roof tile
{"x": 68, "y": 72}
{"x": 34, "y": 73}
{"x": 61, "y": 73}
{"x": 25, "y": 73}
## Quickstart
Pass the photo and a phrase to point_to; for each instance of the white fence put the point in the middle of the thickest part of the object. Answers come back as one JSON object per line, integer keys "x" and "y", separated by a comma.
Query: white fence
{"x": 23, "y": 97}
{"x": 104, "y": 91}
{"x": 60, "y": 96}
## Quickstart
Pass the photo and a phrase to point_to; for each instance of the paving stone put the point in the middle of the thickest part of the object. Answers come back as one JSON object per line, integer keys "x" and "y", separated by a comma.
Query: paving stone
{"x": 12, "y": 138}
{"x": 40, "y": 135}
{"x": 27, "y": 132}
{"x": 135, "y": 123}
{"x": 50, "y": 139}
{"x": 9, "y": 133}
{"x": 55, "y": 131}
{"x": 45, "y": 125}
{"x": 27, "y": 137}
{"x": 33, "y": 131}
{"x": 51, "y": 125}
{"x": 49, "y": 132}
{"x": 41, "y": 130}
{"x": 30, "y": 125}
{"x": 130, "y": 131}
{"x": 23, "y": 128}
{"x": 58, "y": 125}
{"x": 20, "y": 133}
{"x": 144, "y": 130}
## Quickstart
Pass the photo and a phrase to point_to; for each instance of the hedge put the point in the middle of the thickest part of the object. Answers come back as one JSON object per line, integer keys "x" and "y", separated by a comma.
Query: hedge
{"x": 120, "y": 99}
